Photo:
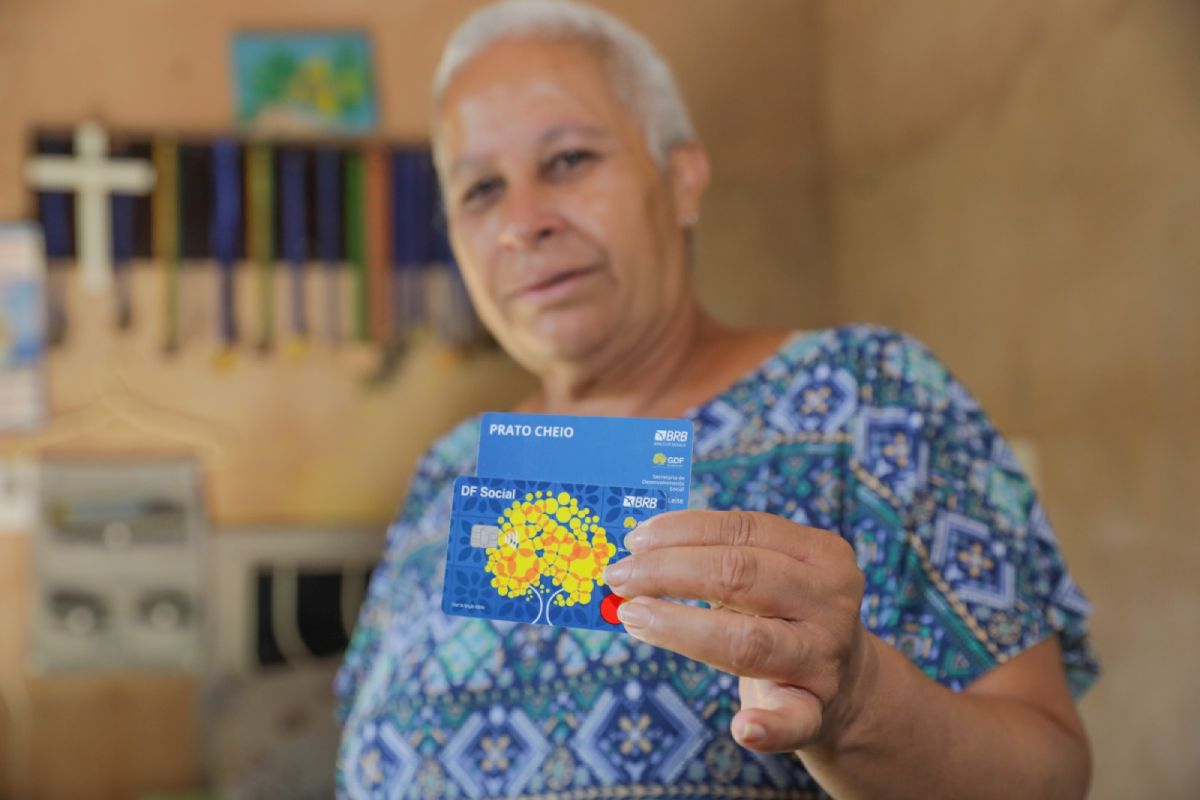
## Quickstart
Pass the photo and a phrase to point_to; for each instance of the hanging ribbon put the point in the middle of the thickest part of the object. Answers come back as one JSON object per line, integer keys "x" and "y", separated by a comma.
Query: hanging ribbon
{"x": 122, "y": 241}
{"x": 355, "y": 241}
{"x": 412, "y": 219}
{"x": 54, "y": 211}
{"x": 166, "y": 234}
{"x": 294, "y": 232}
{"x": 376, "y": 217}
{"x": 329, "y": 235}
{"x": 226, "y": 231}
{"x": 122, "y": 215}
{"x": 260, "y": 240}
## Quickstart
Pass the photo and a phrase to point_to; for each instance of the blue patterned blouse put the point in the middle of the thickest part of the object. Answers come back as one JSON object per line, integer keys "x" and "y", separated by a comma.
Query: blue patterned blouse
{"x": 857, "y": 430}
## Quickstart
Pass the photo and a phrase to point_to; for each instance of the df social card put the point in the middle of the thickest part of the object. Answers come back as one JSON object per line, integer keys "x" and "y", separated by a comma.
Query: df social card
{"x": 535, "y": 551}
{"x": 608, "y": 451}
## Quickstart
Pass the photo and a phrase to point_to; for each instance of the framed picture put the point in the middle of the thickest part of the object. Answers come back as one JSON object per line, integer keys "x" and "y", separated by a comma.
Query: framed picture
{"x": 310, "y": 82}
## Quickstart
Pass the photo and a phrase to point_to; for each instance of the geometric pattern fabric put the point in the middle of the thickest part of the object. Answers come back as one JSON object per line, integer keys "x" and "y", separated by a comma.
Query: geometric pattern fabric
{"x": 857, "y": 430}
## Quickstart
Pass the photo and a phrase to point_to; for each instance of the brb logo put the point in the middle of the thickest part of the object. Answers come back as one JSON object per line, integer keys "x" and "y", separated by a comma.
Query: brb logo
{"x": 632, "y": 501}
{"x": 666, "y": 436}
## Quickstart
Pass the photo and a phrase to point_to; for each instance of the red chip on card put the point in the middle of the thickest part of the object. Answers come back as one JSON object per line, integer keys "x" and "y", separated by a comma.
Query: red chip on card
{"x": 608, "y": 608}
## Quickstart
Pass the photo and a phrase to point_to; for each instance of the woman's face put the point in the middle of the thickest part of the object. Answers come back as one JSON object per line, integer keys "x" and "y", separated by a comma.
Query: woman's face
{"x": 568, "y": 233}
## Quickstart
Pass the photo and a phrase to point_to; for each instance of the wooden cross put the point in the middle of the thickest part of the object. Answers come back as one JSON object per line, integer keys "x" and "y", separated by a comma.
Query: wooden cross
{"x": 93, "y": 177}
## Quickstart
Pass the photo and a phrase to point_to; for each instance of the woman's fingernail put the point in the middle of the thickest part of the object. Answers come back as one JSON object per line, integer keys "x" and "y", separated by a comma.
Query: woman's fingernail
{"x": 616, "y": 573}
{"x": 634, "y": 615}
{"x": 635, "y": 539}
{"x": 749, "y": 732}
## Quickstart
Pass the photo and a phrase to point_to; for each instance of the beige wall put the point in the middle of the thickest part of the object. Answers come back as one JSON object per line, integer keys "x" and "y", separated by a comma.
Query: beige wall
{"x": 1018, "y": 183}
{"x": 1011, "y": 180}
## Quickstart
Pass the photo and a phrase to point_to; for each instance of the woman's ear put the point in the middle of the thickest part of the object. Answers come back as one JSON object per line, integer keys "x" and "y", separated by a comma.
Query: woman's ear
{"x": 689, "y": 180}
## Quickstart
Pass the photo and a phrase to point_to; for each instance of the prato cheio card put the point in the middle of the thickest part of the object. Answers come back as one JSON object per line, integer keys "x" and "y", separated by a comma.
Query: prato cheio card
{"x": 535, "y": 551}
{"x": 608, "y": 451}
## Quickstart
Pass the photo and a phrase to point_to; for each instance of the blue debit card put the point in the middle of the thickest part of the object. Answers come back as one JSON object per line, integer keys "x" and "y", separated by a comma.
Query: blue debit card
{"x": 535, "y": 551}
{"x": 610, "y": 451}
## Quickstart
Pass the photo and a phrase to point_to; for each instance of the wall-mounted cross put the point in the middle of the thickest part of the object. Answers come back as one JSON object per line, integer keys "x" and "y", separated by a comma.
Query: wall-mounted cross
{"x": 93, "y": 177}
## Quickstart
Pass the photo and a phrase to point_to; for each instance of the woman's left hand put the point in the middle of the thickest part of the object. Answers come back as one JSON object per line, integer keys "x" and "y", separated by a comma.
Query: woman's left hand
{"x": 785, "y": 616}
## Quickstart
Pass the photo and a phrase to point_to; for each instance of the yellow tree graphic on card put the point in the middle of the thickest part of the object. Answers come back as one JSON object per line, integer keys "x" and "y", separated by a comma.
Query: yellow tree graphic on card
{"x": 549, "y": 538}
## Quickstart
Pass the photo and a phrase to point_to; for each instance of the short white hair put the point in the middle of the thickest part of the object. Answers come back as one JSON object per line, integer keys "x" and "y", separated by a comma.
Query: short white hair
{"x": 637, "y": 73}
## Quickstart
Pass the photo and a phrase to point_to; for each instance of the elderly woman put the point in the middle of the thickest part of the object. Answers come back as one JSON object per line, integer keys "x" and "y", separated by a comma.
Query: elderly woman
{"x": 888, "y": 612}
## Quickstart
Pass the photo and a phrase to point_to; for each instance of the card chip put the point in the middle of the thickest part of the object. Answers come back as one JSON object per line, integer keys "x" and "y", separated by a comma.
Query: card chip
{"x": 485, "y": 536}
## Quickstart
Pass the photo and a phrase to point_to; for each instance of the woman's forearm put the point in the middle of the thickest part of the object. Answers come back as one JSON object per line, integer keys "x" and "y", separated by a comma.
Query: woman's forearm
{"x": 912, "y": 737}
